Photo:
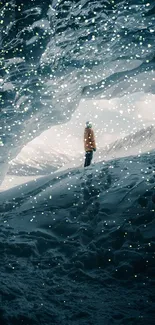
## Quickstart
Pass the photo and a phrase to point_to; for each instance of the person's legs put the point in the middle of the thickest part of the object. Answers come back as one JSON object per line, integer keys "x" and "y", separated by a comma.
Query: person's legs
{"x": 88, "y": 158}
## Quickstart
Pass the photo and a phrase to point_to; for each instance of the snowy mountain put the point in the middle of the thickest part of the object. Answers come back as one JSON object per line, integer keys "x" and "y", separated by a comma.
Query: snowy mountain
{"x": 134, "y": 144}
{"x": 37, "y": 161}
{"x": 79, "y": 245}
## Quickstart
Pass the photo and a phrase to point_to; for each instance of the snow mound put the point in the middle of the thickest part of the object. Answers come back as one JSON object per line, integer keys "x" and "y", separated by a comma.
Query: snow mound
{"x": 79, "y": 246}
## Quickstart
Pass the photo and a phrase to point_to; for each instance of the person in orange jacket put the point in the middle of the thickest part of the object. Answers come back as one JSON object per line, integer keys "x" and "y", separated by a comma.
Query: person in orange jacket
{"x": 89, "y": 143}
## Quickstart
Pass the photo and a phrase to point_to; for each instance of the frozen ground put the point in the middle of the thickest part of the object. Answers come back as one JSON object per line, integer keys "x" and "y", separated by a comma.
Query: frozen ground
{"x": 78, "y": 247}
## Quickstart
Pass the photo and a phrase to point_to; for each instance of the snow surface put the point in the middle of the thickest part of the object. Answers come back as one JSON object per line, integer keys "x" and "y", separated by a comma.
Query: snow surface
{"x": 78, "y": 246}
{"x": 37, "y": 160}
{"x": 11, "y": 181}
{"x": 135, "y": 143}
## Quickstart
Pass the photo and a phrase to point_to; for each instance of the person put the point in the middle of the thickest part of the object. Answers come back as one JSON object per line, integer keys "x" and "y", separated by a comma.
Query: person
{"x": 89, "y": 143}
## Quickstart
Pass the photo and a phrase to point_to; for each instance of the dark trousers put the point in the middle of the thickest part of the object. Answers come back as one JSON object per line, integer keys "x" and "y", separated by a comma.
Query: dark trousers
{"x": 88, "y": 158}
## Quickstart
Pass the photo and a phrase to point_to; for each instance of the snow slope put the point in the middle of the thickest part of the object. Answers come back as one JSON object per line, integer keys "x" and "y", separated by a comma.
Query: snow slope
{"x": 78, "y": 246}
{"x": 135, "y": 143}
{"x": 37, "y": 160}
{"x": 14, "y": 180}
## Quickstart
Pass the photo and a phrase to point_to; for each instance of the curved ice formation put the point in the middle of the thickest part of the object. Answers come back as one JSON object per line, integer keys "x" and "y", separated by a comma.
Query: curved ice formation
{"x": 53, "y": 53}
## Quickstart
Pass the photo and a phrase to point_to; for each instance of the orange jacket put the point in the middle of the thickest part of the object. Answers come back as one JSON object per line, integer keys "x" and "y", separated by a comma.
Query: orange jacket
{"x": 89, "y": 139}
